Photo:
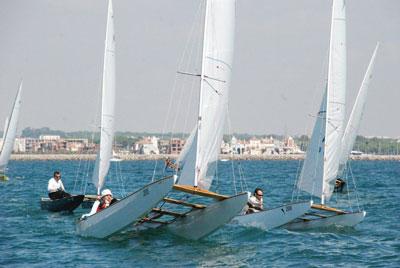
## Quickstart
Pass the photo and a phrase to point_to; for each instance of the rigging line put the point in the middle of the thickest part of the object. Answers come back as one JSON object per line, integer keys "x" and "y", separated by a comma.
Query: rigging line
{"x": 87, "y": 167}
{"x": 348, "y": 193}
{"x": 199, "y": 75}
{"x": 217, "y": 178}
{"x": 230, "y": 131}
{"x": 190, "y": 103}
{"x": 213, "y": 88}
{"x": 296, "y": 179}
{"x": 122, "y": 179}
{"x": 77, "y": 173}
{"x": 241, "y": 172}
{"x": 191, "y": 55}
{"x": 241, "y": 181}
{"x": 94, "y": 126}
{"x": 195, "y": 58}
{"x": 324, "y": 73}
{"x": 181, "y": 94}
{"x": 115, "y": 171}
{"x": 220, "y": 61}
{"x": 175, "y": 87}
{"x": 355, "y": 187}
{"x": 215, "y": 79}
{"x": 191, "y": 51}
{"x": 86, "y": 177}
{"x": 79, "y": 168}
{"x": 187, "y": 73}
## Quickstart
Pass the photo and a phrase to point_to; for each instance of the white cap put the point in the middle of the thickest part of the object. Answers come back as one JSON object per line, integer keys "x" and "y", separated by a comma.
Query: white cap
{"x": 105, "y": 192}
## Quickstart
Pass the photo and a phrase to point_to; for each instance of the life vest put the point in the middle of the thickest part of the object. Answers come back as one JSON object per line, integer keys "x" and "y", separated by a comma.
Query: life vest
{"x": 101, "y": 206}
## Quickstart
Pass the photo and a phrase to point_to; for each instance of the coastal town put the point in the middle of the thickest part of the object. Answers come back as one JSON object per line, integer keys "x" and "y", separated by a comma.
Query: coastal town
{"x": 158, "y": 147}
{"x": 152, "y": 145}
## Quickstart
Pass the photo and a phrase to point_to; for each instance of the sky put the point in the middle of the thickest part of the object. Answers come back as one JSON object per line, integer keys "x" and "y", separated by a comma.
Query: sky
{"x": 280, "y": 49}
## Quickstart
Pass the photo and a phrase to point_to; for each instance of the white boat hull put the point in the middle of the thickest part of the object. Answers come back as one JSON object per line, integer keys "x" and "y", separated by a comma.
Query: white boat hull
{"x": 275, "y": 217}
{"x": 349, "y": 219}
{"x": 126, "y": 211}
{"x": 202, "y": 222}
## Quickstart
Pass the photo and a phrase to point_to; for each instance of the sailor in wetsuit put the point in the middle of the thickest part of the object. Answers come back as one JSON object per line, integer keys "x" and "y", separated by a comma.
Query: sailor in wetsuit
{"x": 255, "y": 202}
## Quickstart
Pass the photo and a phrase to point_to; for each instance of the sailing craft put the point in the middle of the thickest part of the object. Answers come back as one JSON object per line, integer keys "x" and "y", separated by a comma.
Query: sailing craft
{"x": 9, "y": 134}
{"x": 197, "y": 161}
{"x": 330, "y": 145}
{"x": 63, "y": 204}
{"x": 273, "y": 217}
{"x": 131, "y": 208}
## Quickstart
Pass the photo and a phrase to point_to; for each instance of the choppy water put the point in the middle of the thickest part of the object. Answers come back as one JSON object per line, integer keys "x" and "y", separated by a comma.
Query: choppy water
{"x": 30, "y": 236}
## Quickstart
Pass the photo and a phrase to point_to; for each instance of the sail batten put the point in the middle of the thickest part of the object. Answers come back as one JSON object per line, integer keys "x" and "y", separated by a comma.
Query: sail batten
{"x": 215, "y": 78}
{"x": 10, "y": 131}
{"x": 104, "y": 155}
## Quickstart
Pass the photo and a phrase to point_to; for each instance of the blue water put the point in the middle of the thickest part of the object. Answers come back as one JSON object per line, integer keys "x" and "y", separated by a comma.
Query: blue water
{"x": 30, "y": 236}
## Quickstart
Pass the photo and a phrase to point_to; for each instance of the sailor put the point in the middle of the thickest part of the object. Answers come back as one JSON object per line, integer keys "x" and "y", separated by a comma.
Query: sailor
{"x": 56, "y": 188}
{"x": 170, "y": 164}
{"x": 105, "y": 200}
{"x": 339, "y": 185}
{"x": 255, "y": 202}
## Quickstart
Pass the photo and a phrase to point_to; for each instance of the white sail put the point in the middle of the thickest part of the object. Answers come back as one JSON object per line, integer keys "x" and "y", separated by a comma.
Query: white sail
{"x": 334, "y": 116}
{"x": 312, "y": 171}
{"x": 10, "y": 131}
{"x": 336, "y": 95}
{"x": 353, "y": 124}
{"x": 187, "y": 159}
{"x": 108, "y": 102}
{"x": 4, "y": 132}
{"x": 217, "y": 60}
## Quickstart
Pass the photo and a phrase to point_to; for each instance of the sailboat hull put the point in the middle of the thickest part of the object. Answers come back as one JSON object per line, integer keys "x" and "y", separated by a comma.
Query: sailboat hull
{"x": 124, "y": 212}
{"x": 63, "y": 204}
{"x": 202, "y": 222}
{"x": 275, "y": 217}
{"x": 349, "y": 219}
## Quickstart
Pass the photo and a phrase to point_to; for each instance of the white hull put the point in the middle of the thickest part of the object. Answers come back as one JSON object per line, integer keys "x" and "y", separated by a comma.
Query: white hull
{"x": 126, "y": 211}
{"x": 275, "y": 217}
{"x": 199, "y": 223}
{"x": 349, "y": 219}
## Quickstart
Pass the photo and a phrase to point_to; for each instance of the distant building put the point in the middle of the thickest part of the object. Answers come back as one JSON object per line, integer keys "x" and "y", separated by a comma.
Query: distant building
{"x": 290, "y": 147}
{"x": 163, "y": 146}
{"x": 49, "y": 137}
{"x": 176, "y": 145}
{"x": 238, "y": 146}
{"x": 226, "y": 148}
{"x": 75, "y": 145}
{"x": 147, "y": 145}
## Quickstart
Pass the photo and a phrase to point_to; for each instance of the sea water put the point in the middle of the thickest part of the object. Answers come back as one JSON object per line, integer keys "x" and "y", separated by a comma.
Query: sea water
{"x": 34, "y": 237}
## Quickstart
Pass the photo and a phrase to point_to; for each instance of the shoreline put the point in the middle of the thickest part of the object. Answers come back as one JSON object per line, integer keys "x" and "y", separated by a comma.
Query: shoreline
{"x": 136, "y": 157}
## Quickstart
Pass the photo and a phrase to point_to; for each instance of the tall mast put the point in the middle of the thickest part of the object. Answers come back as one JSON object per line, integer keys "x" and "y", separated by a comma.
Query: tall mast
{"x": 336, "y": 94}
{"x": 199, "y": 118}
{"x": 102, "y": 163}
